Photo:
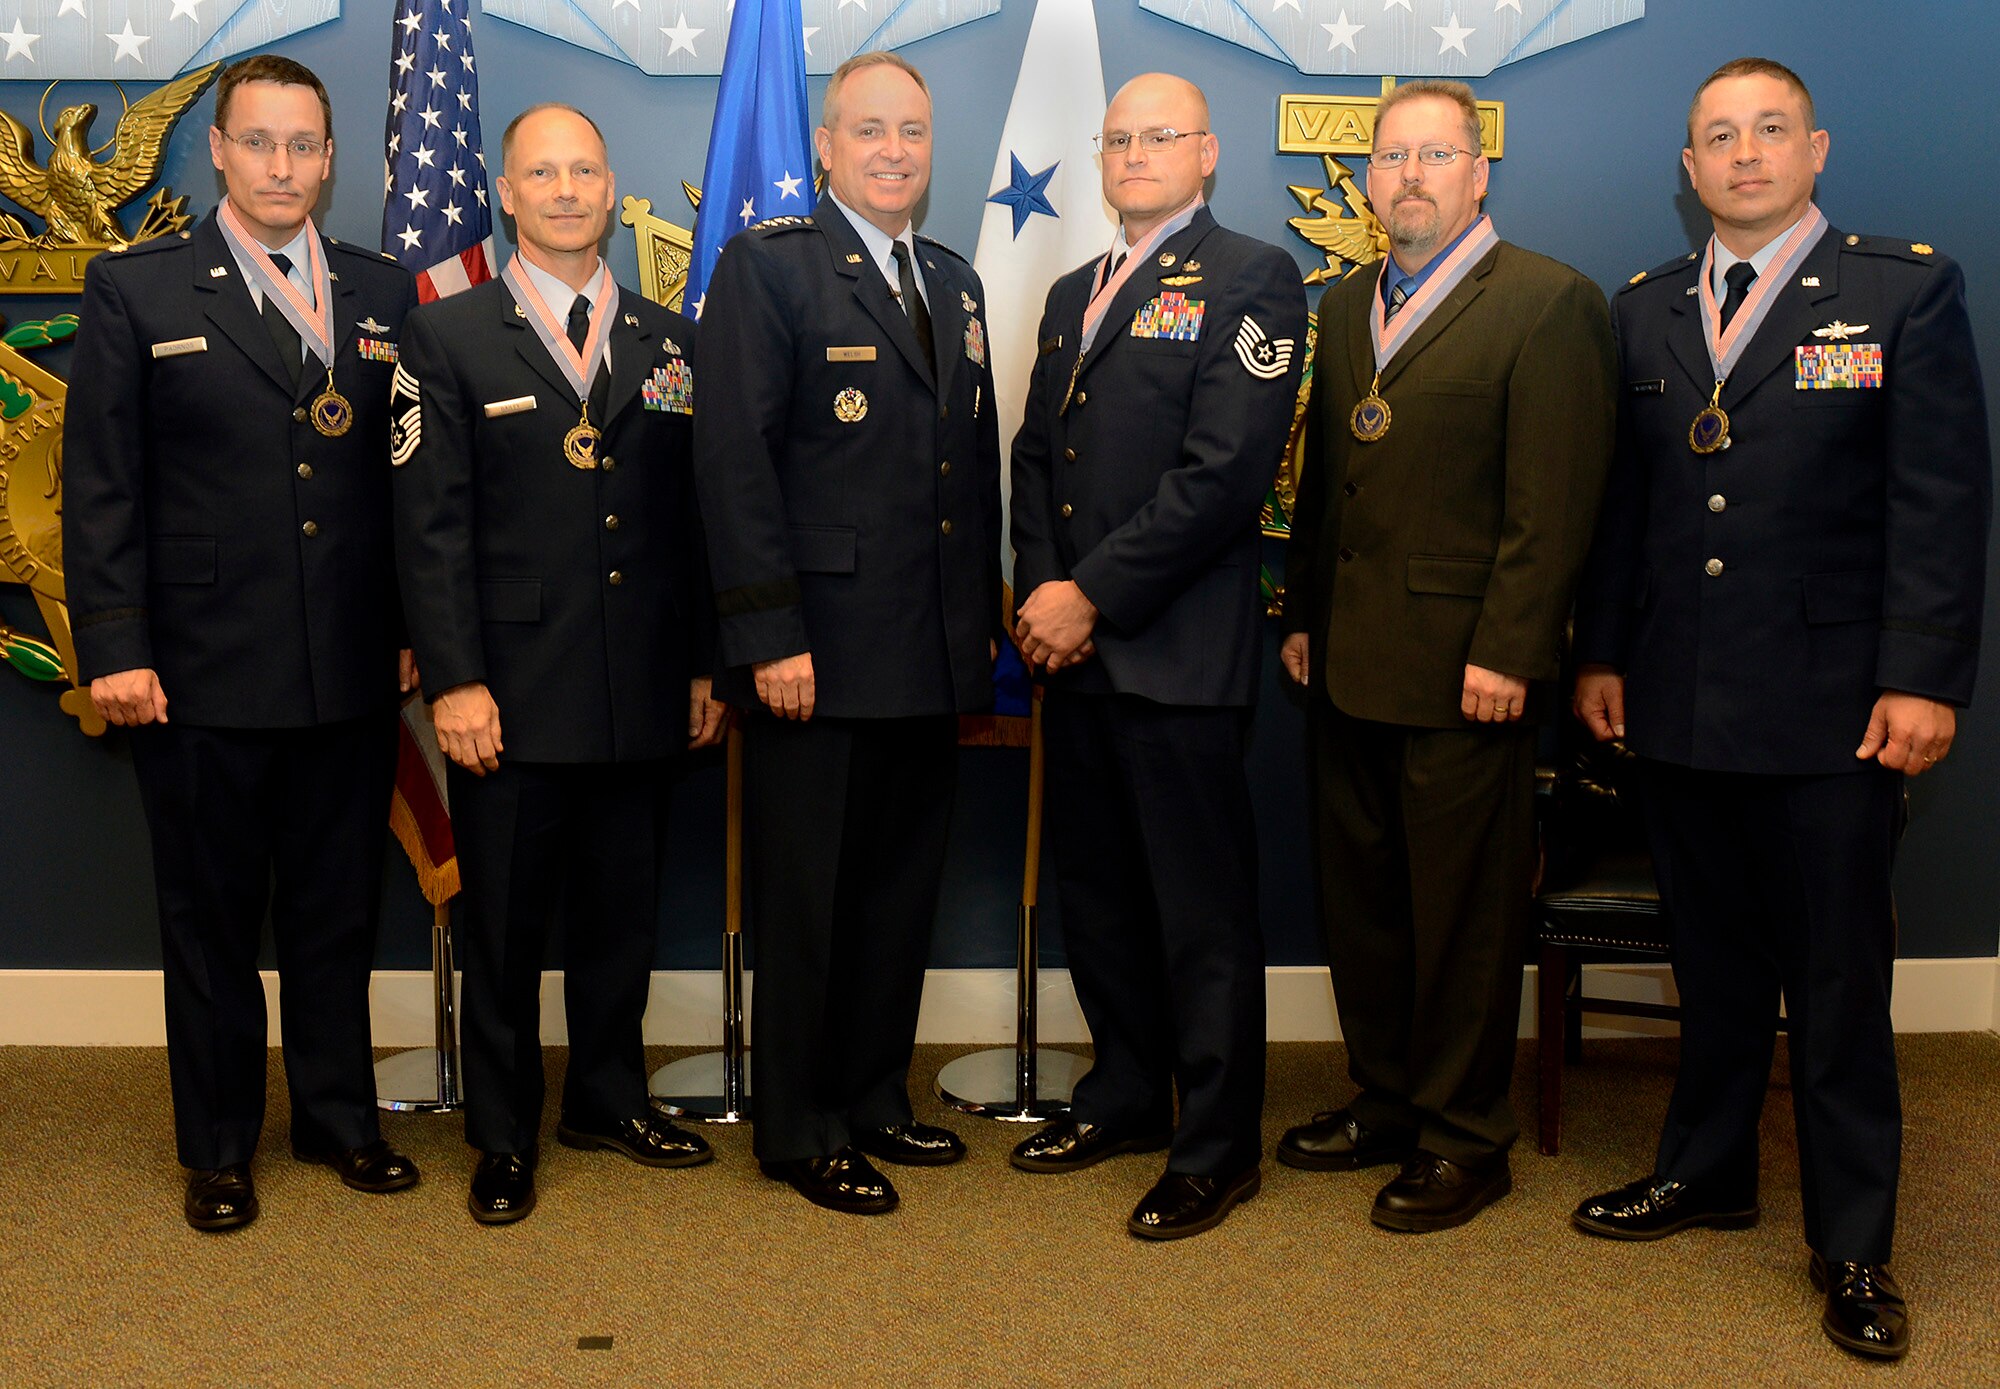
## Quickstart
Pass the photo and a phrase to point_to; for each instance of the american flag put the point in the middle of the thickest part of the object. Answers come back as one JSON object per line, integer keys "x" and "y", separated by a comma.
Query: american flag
{"x": 437, "y": 222}
{"x": 436, "y": 219}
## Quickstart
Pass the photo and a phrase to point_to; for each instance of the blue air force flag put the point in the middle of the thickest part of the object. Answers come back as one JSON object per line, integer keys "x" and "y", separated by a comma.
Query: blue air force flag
{"x": 1046, "y": 214}
{"x": 760, "y": 159}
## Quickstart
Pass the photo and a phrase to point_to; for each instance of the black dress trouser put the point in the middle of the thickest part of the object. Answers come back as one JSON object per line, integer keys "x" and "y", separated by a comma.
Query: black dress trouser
{"x": 1779, "y": 887}
{"x": 845, "y": 826}
{"x": 295, "y": 821}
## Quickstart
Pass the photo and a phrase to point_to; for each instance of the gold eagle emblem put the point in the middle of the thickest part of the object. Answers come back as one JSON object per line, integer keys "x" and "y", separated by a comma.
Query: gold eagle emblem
{"x": 78, "y": 194}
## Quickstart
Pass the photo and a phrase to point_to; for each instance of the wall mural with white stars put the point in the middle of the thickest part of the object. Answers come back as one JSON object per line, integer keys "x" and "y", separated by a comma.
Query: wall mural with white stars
{"x": 143, "y": 40}
{"x": 1403, "y": 38}
{"x": 685, "y": 38}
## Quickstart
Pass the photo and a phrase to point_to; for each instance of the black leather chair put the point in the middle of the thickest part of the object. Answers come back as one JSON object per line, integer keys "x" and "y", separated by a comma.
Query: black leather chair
{"x": 1596, "y": 901}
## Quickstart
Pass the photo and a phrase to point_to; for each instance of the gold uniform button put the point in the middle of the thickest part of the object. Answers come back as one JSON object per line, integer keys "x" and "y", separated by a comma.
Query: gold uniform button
{"x": 1081, "y": 397}
{"x": 607, "y": 463}
{"x": 306, "y": 471}
{"x": 311, "y": 528}
{"x": 1712, "y": 568}
{"x": 299, "y": 414}
{"x": 1717, "y": 502}
{"x": 945, "y": 527}
{"x": 616, "y": 577}
{"x": 944, "y": 411}
{"x": 611, "y": 523}
{"x": 1070, "y": 454}
{"x": 944, "y": 468}
{"x": 1067, "y": 509}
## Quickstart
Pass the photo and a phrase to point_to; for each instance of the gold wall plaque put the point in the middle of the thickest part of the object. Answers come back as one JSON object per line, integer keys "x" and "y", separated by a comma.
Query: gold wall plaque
{"x": 665, "y": 250}
{"x": 77, "y": 195}
{"x": 1315, "y": 124}
{"x": 31, "y": 465}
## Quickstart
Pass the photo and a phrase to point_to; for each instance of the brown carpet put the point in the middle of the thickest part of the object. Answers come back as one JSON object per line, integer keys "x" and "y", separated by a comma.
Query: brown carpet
{"x": 986, "y": 1276}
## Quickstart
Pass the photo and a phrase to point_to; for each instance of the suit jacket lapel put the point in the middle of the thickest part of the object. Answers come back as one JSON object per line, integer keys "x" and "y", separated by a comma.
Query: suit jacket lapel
{"x": 1360, "y": 340}
{"x": 1794, "y": 314}
{"x": 870, "y": 289}
{"x": 1454, "y": 304}
{"x": 1144, "y": 282}
{"x": 227, "y": 304}
{"x": 528, "y": 343}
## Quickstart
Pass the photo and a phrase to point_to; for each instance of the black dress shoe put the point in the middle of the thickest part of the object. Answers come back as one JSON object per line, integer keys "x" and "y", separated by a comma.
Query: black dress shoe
{"x": 1180, "y": 1205}
{"x": 503, "y": 1188}
{"x": 1435, "y": 1193}
{"x": 912, "y": 1144}
{"x": 1865, "y": 1311}
{"x": 222, "y": 1199}
{"x": 846, "y": 1182}
{"x": 1655, "y": 1207}
{"x": 1069, "y": 1145}
{"x": 650, "y": 1142}
{"x": 1336, "y": 1141}
{"x": 372, "y": 1167}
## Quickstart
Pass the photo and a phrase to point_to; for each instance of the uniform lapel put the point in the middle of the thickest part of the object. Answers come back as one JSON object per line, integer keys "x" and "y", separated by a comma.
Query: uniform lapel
{"x": 1684, "y": 334}
{"x": 631, "y": 354}
{"x": 1144, "y": 283}
{"x": 852, "y": 261}
{"x": 1454, "y": 304}
{"x": 528, "y": 343}
{"x": 226, "y": 303}
{"x": 346, "y": 312}
{"x": 1794, "y": 314}
{"x": 948, "y": 316}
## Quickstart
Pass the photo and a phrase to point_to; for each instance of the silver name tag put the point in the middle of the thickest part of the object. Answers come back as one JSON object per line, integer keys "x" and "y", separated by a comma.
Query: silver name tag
{"x": 180, "y": 347}
{"x": 518, "y": 405}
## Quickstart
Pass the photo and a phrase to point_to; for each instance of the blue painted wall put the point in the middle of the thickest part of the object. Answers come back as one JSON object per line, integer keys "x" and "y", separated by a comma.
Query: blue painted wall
{"x": 1591, "y": 175}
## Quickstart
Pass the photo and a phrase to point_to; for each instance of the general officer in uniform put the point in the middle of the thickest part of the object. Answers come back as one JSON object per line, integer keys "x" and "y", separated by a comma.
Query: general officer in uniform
{"x": 227, "y": 544}
{"x": 1157, "y": 412}
{"x": 849, "y": 471}
{"x": 1459, "y": 431}
{"x": 550, "y": 554}
{"x": 1782, "y": 616}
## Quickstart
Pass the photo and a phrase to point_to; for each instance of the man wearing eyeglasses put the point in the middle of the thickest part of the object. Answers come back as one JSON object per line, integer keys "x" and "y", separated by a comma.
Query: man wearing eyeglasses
{"x": 1459, "y": 430}
{"x": 1157, "y": 411}
{"x": 1784, "y": 607}
{"x": 232, "y": 587}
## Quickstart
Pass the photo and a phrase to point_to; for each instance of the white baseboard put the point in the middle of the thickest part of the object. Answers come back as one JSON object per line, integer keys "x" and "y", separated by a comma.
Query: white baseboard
{"x": 124, "y": 1007}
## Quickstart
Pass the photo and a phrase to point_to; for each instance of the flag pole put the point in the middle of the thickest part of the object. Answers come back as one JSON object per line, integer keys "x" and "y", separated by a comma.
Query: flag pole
{"x": 714, "y": 1087}
{"x": 1022, "y": 1084}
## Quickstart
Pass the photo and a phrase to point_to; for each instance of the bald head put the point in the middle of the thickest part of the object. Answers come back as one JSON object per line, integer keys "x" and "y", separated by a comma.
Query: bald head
{"x": 1162, "y": 91}
{"x": 1148, "y": 186}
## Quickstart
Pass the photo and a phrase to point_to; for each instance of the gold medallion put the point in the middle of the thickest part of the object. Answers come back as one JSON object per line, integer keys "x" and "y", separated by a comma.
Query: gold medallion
{"x": 1370, "y": 419}
{"x": 580, "y": 444}
{"x": 332, "y": 415}
{"x": 850, "y": 406}
{"x": 1710, "y": 431}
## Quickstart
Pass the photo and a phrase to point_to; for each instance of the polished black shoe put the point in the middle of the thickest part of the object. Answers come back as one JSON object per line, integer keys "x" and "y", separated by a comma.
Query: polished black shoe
{"x": 846, "y": 1182}
{"x": 650, "y": 1142}
{"x": 372, "y": 1167}
{"x": 1655, "y": 1207}
{"x": 1180, "y": 1205}
{"x": 1069, "y": 1145}
{"x": 503, "y": 1188}
{"x": 221, "y": 1200}
{"x": 1435, "y": 1193}
{"x": 912, "y": 1144}
{"x": 1336, "y": 1141}
{"x": 1865, "y": 1311}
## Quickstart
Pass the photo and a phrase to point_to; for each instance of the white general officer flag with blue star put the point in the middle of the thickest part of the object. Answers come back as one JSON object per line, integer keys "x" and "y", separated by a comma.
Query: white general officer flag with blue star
{"x": 1046, "y": 213}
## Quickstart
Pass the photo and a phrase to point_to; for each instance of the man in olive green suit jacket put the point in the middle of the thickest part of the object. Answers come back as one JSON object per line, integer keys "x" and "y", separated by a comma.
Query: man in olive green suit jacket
{"x": 1459, "y": 432}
